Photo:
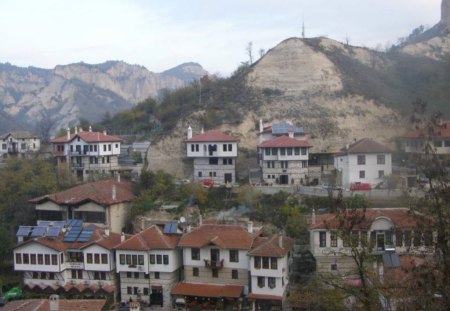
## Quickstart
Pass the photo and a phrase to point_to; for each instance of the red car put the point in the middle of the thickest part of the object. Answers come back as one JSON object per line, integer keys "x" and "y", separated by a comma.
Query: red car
{"x": 207, "y": 183}
{"x": 356, "y": 186}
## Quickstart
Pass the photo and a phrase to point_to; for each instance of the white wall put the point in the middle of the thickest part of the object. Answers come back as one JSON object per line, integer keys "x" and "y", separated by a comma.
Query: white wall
{"x": 35, "y": 248}
{"x": 125, "y": 267}
{"x": 203, "y": 149}
{"x": 279, "y": 274}
{"x": 174, "y": 260}
{"x": 205, "y": 254}
{"x": 97, "y": 249}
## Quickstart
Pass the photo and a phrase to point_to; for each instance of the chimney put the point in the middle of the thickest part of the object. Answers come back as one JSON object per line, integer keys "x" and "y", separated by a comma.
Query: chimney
{"x": 189, "y": 132}
{"x": 250, "y": 226}
{"x": 261, "y": 127}
{"x": 76, "y": 129}
{"x": 203, "y": 131}
{"x": 54, "y": 302}
{"x": 107, "y": 231}
{"x": 122, "y": 237}
{"x": 68, "y": 133}
{"x": 81, "y": 129}
{"x": 114, "y": 192}
{"x": 104, "y": 132}
{"x": 118, "y": 177}
{"x": 280, "y": 241}
{"x": 313, "y": 216}
{"x": 200, "y": 220}
{"x": 142, "y": 223}
{"x": 291, "y": 134}
{"x": 90, "y": 128}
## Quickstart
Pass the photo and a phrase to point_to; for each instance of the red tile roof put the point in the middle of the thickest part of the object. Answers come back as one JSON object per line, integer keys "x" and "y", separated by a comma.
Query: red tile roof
{"x": 401, "y": 217}
{"x": 223, "y": 236}
{"x": 150, "y": 238}
{"x": 213, "y": 136}
{"x": 89, "y": 137}
{"x": 366, "y": 145}
{"x": 99, "y": 192}
{"x": 207, "y": 290}
{"x": 285, "y": 141}
{"x": 252, "y": 296}
{"x": 442, "y": 131}
{"x": 270, "y": 247}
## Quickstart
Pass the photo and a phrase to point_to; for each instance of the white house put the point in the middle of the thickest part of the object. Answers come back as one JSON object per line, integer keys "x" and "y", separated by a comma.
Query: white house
{"x": 363, "y": 161}
{"x": 149, "y": 265}
{"x": 66, "y": 262}
{"x": 87, "y": 154}
{"x": 382, "y": 228}
{"x": 284, "y": 160}
{"x": 104, "y": 202}
{"x": 270, "y": 261}
{"x": 413, "y": 142}
{"x": 21, "y": 143}
{"x": 214, "y": 155}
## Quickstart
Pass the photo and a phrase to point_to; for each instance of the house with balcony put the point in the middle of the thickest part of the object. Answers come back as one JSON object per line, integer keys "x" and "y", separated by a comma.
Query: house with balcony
{"x": 67, "y": 258}
{"x": 19, "y": 144}
{"x": 284, "y": 160}
{"x": 87, "y": 154}
{"x": 214, "y": 156}
{"x": 384, "y": 230}
{"x": 270, "y": 260}
{"x": 103, "y": 203}
{"x": 149, "y": 264}
{"x": 365, "y": 161}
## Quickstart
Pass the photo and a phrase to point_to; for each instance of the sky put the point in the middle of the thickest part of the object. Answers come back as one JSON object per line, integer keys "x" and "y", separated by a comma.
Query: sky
{"x": 161, "y": 34}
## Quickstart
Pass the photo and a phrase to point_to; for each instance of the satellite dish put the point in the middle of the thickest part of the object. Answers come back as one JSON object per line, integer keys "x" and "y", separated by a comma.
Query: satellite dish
{"x": 182, "y": 219}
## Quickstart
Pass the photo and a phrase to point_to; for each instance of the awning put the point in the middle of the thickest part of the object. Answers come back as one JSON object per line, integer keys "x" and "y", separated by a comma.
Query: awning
{"x": 252, "y": 296}
{"x": 207, "y": 290}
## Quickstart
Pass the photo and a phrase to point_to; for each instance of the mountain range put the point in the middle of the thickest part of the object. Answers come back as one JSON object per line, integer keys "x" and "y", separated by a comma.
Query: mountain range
{"x": 70, "y": 92}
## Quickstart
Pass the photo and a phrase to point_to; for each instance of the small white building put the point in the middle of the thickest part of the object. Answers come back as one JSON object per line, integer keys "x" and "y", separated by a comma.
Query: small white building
{"x": 20, "y": 143}
{"x": 284, "y": 160}
{"x": 414, "y": 142}
{"x": 88, "y": 155}
{"x": 149, "y": 265}
{"x": 53, "y": 263}
{"x": 214, "y": 155}
{"x": 104, "y": 202}
{"x": 363, "y": 161}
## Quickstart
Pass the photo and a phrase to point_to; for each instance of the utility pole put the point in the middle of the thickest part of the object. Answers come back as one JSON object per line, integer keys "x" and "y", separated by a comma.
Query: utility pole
{"x": 303, "y": 28}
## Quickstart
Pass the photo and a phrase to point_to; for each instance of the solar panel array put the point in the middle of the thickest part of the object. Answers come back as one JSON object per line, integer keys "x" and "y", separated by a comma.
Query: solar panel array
{"x": 284, "y": 128}
{"x": 170, "y": 228}
{"x": 38, "y": 231}
{"x": 76, "y": 232}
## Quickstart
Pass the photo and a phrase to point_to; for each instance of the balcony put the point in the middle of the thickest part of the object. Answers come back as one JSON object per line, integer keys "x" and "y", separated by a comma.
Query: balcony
{"x": 74, "y": 265}
{"x": 215, "y": 264}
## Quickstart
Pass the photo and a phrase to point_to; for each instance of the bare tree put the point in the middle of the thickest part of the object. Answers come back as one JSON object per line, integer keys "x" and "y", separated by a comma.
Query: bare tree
{"x": 249, "y": 50}
{"x": 262, "y": 52}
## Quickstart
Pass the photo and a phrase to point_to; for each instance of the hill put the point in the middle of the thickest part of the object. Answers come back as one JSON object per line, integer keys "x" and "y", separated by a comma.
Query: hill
{"x": 70, "y": 92}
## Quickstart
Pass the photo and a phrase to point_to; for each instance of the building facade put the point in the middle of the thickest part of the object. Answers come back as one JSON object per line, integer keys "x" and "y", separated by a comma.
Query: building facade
{"x": 149, "y": 265}
{"x": 19, "y": 144}
{"x": 214, "y": 156}
{"x": 104, "y": 202}
{"x": 88, "y": 155}
{"x": 284, "y": 160}
{"x": 364, "y": 161}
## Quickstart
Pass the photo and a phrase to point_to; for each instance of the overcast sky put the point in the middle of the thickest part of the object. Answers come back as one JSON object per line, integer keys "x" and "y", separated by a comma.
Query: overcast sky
{"x": 160, "y": 34}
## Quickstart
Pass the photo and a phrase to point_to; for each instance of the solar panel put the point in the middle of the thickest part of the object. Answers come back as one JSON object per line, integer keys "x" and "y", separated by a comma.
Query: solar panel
{"x": 85, "y": 235}
{"x": 23, "y": 231}
{"x": 59, "y": 224}
{"x": 391, "y": 260}
{"x": 284, "y": 128}
{"x": 38, "y": 231}
{"x": 167, "y": 228}
{"x": 53, "y": 232}
{"x": 44, "y": 223}
{"x": 174, "y": 228}
{"x": 70, "y": 238}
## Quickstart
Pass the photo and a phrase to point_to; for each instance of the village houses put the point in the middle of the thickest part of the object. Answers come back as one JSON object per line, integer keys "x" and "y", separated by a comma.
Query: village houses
{"x": 20, "y": 143}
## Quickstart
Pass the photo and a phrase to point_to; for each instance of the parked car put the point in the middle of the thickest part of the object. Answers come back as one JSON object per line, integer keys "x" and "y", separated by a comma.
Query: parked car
{"x": 207, "y": 183}
{"x": 358, "y": 186}
{"x": 332, "y": 187}
{"x": 12, "y": 294}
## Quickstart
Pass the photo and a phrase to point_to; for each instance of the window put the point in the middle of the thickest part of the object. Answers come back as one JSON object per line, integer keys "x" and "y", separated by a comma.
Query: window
{"x": 135, "y": 290}
{"x": 166, "y": 259}
{"x": 89, "y": 258}
{"x": 230, "y": 147}
{"x": 333, "y": 267}
{"x": 146, "y": 276}
{"x": 289, "y": 151}
{"x": 197, "y": 147}
{"x": 447, "y": 143}
{"x": 77, "y": 274}
{"x": 257, "y": 262}
{"x": 97, "y": 258}
{"x": 267, "y": 151}
{"x": 274, "y": 151}
{"x": 47, "y": 259}
{"x": 18, "y": 258}
{"x": 380, "y": 174}
{"x": 284, "y": 164}
{"x": 99, "y": 275}
{"x": 297, "y": 151}
{"x": 109, "y": 147}
{"x": 213, "y": 161}
{"x": 322, "y": 239}
{"x": 361, "y": 160}
{"x": 215, "y": 273}
{"x": 273, "y": 263}
{"x": 234, "y": 274}
{"x": 195, "y": 271}
{"x": 104, "y": 259}
{"x": 438, "y": 143}
{"x": 282, "y": 151}
{"x": 271, "y": 282}
{"x": 304, "y": 164}
{"x": 33, "y": 259}
{"x": 136, "y": 275}
{"x": 234, "y": 255}
{"x": 261, "y": 281}
{"x": 40, "y": 258}
{"x": 146, "y": 291}
{"x": 129, "y": 290}
{"x": 129, "y": 275}
{"x": 140, "y": 260}
{"x": 417, "y": 238}
{"x": 195, "y": 253}
{"x": 159, "y": 259}
{"x": 152, "y": 259}
{"x": 225, "y": 147}
{"x": 26, "y": 259}
{"x": 104, "y": 147}
{"x": 428, "y": 238}
{"x": 192, "y": 148}
{"x": 199, "y": 174}
{"x": 399, "y": 238}
{"x": 304, "y": 150}
{"x": 122, "y": 259}
{"x": 333, "y": 239}
{"x": 362, "y": 174}
{"x": 156, "y": 275}
{"x": 407, "y": 238}
{"x": 265, "y": 262}
{"x": 381, "y": 159}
